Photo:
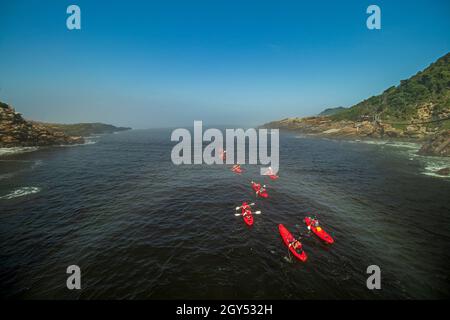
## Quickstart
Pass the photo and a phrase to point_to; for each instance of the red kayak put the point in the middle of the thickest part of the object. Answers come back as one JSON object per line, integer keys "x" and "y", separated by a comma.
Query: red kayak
{"x": 272, "y": 175}
{"x": 237, "y": 170}
{"x": 288, "y": 239}
{"x": 318, "y": 231}
{"x": 247, "y": 214}
{"x": 257, "y": 188}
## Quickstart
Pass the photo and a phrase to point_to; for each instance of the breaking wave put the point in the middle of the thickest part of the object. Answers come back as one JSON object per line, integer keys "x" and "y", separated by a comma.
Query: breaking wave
{"x": 21, "y": 192}
{"x": 16, "y": 150}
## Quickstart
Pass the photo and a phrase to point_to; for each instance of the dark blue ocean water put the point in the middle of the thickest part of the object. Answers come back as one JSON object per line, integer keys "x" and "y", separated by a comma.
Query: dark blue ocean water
{"x": 140, "y": 227}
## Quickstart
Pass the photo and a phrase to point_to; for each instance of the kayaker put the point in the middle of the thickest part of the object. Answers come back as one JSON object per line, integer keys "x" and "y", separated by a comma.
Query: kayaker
{"x": 256, "y": 186}
{"x": 295, "y": 244}
{"x": 262, "y": 189}
{"x": 247, "y": 212}
{"x": 236, "y": 167}
{"x": 314, "y": 223}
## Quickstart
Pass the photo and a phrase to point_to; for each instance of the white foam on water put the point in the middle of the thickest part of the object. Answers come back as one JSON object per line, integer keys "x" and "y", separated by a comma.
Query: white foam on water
{"x": 86, "y": 143}
{"x": 405, "y": 145}
{"x": 390, "y": 143}
{"x": 375, "y": 142}
{"x": 430, "y": 164}
{"x": 434, "y": 164}
{"x": 16, "y": 150}
{"x": 21, "y": 192}
{"x": 435, "y": 175}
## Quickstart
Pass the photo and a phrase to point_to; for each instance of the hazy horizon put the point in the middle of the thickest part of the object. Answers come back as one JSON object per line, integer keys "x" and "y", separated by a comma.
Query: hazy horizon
{"x": 159, "y": 65}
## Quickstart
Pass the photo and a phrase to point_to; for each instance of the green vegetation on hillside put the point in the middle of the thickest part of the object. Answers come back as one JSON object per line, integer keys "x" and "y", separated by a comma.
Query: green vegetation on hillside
{"x": 331, "y": 111}
{"x": 15, "y": 131}
{"x": 85, "y": 129}
{"x": 431, "y": 85}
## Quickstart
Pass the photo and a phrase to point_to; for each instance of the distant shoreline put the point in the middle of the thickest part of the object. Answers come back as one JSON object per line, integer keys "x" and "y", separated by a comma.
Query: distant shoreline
{"x": 433, "y": 144}
{"x": 84, "y": 129}
{"x": 17, "y": 132}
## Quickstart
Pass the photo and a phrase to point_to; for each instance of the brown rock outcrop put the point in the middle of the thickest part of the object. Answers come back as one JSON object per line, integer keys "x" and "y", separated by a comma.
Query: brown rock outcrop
{"x": 444, "y": 172}
{"x": 439, "y": 145}
{"x": 15, "y": 131}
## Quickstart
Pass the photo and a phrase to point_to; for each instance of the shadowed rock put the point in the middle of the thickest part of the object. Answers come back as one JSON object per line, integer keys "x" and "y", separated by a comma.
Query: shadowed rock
{"x": 439, "y": 145}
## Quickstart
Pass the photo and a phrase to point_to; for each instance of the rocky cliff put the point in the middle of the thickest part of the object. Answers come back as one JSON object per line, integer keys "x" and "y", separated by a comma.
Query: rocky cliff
{"x": 436, "y": 139}
{"x": 438, "y": 145}
{"x": 16, "y": 131}
{"x": 418, "y": 108}
{"x": 422, "y": 127}
{"x": 325, "y": 126}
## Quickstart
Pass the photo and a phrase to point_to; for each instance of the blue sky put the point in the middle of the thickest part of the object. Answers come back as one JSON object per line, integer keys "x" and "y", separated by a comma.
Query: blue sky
{"x": 167, "y": 63}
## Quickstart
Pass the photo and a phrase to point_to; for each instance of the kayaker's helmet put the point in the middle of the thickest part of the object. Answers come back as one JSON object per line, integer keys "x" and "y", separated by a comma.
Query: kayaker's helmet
{"x": 319, "y": 229}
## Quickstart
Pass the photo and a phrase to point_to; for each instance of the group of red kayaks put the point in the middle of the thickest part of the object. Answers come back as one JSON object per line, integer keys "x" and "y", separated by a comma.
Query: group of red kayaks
{"x": 294, "y": 245}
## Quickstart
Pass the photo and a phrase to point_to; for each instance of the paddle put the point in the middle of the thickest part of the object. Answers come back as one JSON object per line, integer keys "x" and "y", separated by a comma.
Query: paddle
{"x": 256, "y": 212}
{"x": 289, "y": 255}
{"x": 295, "y": 239}
{"x": 251, "y": 204}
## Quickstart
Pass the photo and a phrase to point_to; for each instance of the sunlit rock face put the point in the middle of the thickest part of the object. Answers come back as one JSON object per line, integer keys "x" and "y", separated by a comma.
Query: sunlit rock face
{"x": 15, "y": 131}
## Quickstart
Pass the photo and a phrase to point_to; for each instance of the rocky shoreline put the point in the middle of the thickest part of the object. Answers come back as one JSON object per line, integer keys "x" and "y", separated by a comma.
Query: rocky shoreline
{"x": 417, "y": 110}
{"x": 436, "y": 143}
{"x": 15, "y": 131}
